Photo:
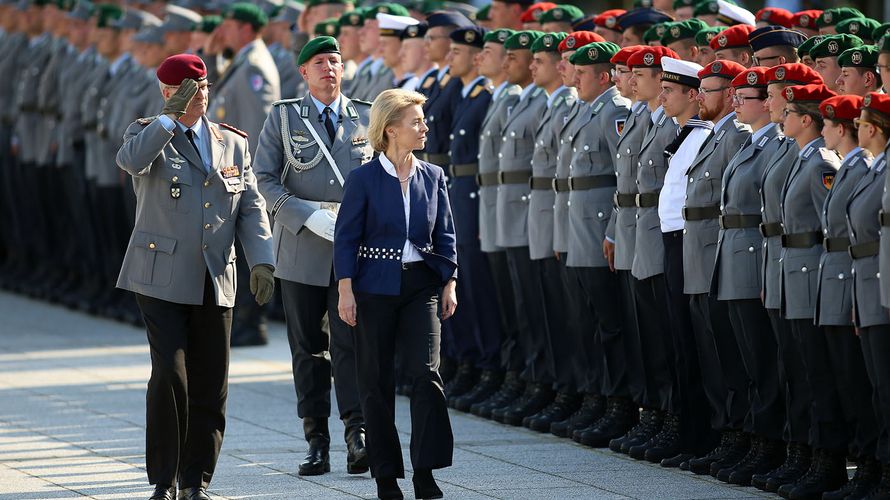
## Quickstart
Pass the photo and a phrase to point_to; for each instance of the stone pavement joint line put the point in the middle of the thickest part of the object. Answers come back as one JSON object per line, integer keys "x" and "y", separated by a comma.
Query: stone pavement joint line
{"x": 72, "y": 425}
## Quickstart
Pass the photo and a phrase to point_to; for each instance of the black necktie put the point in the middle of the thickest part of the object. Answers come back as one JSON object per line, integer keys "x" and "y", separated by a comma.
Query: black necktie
{"x": 329, "y": 123}
{"x": 191, "y": 135}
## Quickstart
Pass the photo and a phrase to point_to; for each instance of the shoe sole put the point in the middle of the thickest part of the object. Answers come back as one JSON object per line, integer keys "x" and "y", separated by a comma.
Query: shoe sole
{"x": 314, "y": 472}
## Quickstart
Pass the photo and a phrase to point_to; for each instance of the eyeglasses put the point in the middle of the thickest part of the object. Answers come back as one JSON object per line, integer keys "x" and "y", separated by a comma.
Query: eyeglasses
{"x": 857, "y": 122}
{"x": 703, "y": 90}
{"x": 787, "y": 112}
{"x": 759, "y": 60}
{"x": 740, "y": 99}
{"x": 878, "y": 67}
{"x": 616, "y": 71}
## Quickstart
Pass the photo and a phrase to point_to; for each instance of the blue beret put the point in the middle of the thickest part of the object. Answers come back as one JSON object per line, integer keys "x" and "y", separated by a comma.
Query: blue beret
{"x": 448, "y": 18}
{"x": 585, "y": 24}
{"x": 772, "y": 36}
{"x": 642, "y": 16}
{"x": 474, "y": 36}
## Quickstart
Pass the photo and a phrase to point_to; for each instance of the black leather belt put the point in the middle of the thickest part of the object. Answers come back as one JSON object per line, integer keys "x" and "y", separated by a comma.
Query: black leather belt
{"x": 540, "y": 183}
{"x": 625, "y": 200}
{"x": 646, "y": 200}
{"x": 884, "y": 218}
{"x": 735, "y": 221}
{"x": 489, "y": 179}
{"x": 591, "y": 182}
{"x": 701, "y": 213}
{"x": 406, "y": 266}
{"x": 770, "y": 229}
{"x": 520, "y": 177}
{"x": 436, "y": 158}
{"x": 862, "y": 250}
{"x": 560, "y": 185}
{"x": 836, "y": 244}
{"x": 464, "y": 170}
{"x": 801, "y": 240}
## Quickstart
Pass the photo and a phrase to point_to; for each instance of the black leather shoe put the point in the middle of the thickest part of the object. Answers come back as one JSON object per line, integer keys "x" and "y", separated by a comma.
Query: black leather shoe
{"x": 621, "y": 415}
{"x": 649, "y": 425}
{"x": 828, "y": 472}
{"x": 356, "y": 453}
{"x": 489, "y": 382}
{"x": 163, "y": 492}
{"x": 198, "y": 493}
{"x": 424, "y": 485}
{"x": 737, "y": 451}
{"x": 867, "y": 476}
{"x": 563, "y": 406}
{"x": 702, "y": 465}
{"x": 796, "y": 464}
{"x": 512, "y": 389}
{"x": 593, "y": 407}
{"x": 772, "y": 454}
{"x": 677, "y": 460}
{"x": 535, "y": 400}
{"x": 388, "y": 489}
{"x": 249, "y": 335}
{"x": 318, "y": 460}
{"x": 462, "y": 383}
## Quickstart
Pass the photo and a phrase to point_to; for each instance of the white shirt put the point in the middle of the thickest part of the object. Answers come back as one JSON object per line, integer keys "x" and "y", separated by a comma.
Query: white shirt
{"x": 673, "y": 194}
{"x": 409, "y": 252}
{"x": 200, "y": 136}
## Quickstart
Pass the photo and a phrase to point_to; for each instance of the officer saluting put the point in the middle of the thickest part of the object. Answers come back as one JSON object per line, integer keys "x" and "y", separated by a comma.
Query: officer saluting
{"x": 307, "y": 148}
{"x": 195, "y": 192}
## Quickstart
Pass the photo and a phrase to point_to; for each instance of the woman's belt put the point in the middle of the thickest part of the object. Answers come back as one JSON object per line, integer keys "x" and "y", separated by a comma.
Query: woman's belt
{"x": 625, "y": 200}
{"x": 591, "y": 182}
{"x": 862, "y": 250}
{"x": 770, "y": 229}
{"x": 836, "y": 244}
{"x": 464, "y": 170}
{"x": 520, "y": 177}
{"x": 801, "y": 240}
{"x": 701, "y": 213}
{"x": 737, "y": 221}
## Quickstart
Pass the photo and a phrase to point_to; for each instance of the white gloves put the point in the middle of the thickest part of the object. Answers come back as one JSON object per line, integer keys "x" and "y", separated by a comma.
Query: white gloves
{"x": 322, "y": 222}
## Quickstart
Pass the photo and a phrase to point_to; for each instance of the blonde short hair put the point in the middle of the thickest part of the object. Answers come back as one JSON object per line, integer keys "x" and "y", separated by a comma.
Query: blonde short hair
{"x": 386, "y": 110}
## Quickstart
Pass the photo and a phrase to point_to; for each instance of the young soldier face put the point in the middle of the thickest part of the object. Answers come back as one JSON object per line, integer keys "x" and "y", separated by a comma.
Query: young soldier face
{"x": 646, "y": 83}
{"x": 676, "y": 99}
{"x": 491, "y": 60}
{"x": 828, "y": 68}
{"x": 775, "y": 102}
{"x": 323, "y": 72}
{"x": 544, "y": 69}
{"x": 567, "y": 69}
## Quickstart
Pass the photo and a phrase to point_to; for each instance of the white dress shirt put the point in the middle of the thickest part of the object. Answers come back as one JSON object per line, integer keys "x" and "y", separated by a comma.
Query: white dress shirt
{"x": 409, "y": 252}
{"x": 673, "y": 194}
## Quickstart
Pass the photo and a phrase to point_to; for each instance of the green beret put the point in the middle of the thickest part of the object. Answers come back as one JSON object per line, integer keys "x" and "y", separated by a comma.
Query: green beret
{"x": 392, "y": 9}
{"x": 807, "y": 45}
{"x": 880, "y": 31}
{"x": 682, "y": 30}
{"x": 484, "y": 14}
{"x": 499, "y": 35}
{"x": 683, "y": 3}
{"x": 833, "y": 45}
{"x": 594, "y": 53}
{"x": 522, "y": 40}
{"x": 328, "y": 27}
{"x": 655, "y": 32}
{"x": 247, "y": 13}
{"x": 831, "y": 17}
{"x": 561, "y": 14}
{"x": 316, "y": 3}
{"x": 860, "y": 57}
{"x": 862, "y": 27}
{"x": 704, "y": 37}
{"x": 708, "y": 7}
{"x": 209, "y": 23}
{"x": 318, "y": 45}
{"x": 354, "y": 18}
{"x": 549, "y": 42}
{"x": 106, "y": 13}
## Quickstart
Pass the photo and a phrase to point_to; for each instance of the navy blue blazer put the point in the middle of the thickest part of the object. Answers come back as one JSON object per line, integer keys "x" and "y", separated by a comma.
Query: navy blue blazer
{"x": 370, "y": 231}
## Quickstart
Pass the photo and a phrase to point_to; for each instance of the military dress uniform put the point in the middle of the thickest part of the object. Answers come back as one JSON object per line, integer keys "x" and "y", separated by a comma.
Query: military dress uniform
{"x": 15, "y": 240}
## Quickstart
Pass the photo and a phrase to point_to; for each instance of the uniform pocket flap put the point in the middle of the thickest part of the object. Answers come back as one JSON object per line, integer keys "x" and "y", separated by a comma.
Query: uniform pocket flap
{"x": 153, "y": 242}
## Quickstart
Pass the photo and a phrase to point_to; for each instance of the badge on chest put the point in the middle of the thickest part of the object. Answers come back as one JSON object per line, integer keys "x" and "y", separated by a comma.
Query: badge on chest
{"x": 175, "y": 191}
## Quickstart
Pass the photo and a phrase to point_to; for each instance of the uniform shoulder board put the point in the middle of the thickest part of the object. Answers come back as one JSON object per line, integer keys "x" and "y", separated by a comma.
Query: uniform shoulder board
{"x": 359, "y": 101}
{"x": 296, "y": 101}
{"x": 598, "y": 107}
{"x": 146, "y": 120}
{"x": 476, "y": 91}
{"x": 428, "y": 82}
{"x": 233, "y": 129}
{"x": 537, "y": 92}
{"x": 620, "y": 101}
{"x": 445, "y": 79}
{"x": 809, "y": 152}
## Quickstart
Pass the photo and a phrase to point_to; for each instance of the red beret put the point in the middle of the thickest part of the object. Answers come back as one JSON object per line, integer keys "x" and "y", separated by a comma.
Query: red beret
{"x": 650, "y": 57}
{"x": 841, "y": 107}
{"x": 732, "y": 38}
{"x": 807, "y": 93}
{"x": 533, "y": 13}
{"x": 775, "y": 15}
{"x": 750, "y": 78}
{"x": 578, "y": 39}
{"x": 878, "y": 103}
{"x": 609, "y": 19}
{"x": 793, "y": 74}
{"x": 806, "y": 18}
{"x": 624, "y": 54}
{"x": 177, "y": 68}
{"x": 721, "y": 68}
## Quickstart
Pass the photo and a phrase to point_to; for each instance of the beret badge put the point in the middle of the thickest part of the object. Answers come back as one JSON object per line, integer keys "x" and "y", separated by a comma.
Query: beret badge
{"x": 751, "y": 78}
{"x": 716, "y": 67}
{"x": 722, "y": 41}
{"x": 592, "y": 53}
{"x": 649, "y": 59}
{"x": 780, "y": 73}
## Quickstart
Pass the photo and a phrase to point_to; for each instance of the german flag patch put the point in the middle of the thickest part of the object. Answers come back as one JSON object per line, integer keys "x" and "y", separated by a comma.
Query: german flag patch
{"x": 827, "y": 180}
{"x": 619, "y": 126}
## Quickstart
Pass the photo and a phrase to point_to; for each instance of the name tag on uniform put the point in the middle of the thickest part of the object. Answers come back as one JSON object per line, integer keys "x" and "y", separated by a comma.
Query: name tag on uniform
{"x": 230, "y": 171}
{"x": 359, "y": 141}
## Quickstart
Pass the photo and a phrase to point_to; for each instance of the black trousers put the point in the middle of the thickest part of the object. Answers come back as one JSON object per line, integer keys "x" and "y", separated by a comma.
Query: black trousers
{"x": 793, "y": 378}
{"x": 318, "y": 352}
{"x": 876, "y": 351}
{"x": 724, "y": 378}
{"x": 656, "y": 347}
{"x": 603, "y": 335}
{"x": 476, "y": 325}
{"x": 635, "y": 371}
{"x": 534, "y": 332}
{"x": 757, "y": 345}
{"x": 582, "y": 368}
{"x": 407, "y": 323}
{"x": 854, "y": 388}
{"x": 511, "y": 355}
{"x": 187, "y": 391}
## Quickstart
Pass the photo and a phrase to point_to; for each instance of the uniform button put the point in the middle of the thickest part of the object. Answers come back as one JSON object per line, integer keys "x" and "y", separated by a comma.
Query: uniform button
{"x": 500, "y": 155}
{"x": 825, "y": 231}
{"x": 570, "y": 167}
{"x": 639, "y": 164}
{"x": 690, "y": 180}
{"x": 650, "y": 162}
{"x": 562, "y": 141}
{"x": 586, "y": 147}
{"x": 750, "y": 249}
{"x": 618, "y": 155}
{"x": 840, "y": 276}
{"x": 151, "y": 245}
{"x": 206, "y": 183}
{"x": 331, "y": 182}
{"x": 512, "y": 134}
{"x": 569, "y": 203}
{"x": 574, "y": 150}
{"x": 462, "y": 132}
{"x": 804, "y": 269}
{"x": 207, "y": 204}
{"x": 472, "y": 196}
{"x": 628, "y": 151}
{"x": 684, "y": 231}
{"x": 599, "y": 214}
{"x": 451, "y": 136}
{"x": 707, "y": 174}
{"x": 175, "y": 178}
{"x": 504, "y": 139}
{"x": 207, "y": 226}
{"x": 524, "y": 198}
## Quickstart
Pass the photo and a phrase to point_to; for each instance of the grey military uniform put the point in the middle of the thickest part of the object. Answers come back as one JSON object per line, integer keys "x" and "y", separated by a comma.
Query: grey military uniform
{"x": 295, "y": 178}
{"x": 593, "y": 153}
{"x": 12, "y": 60}
{"x": 112, "y": 93}
{"x": 703, "y": 193}
{"x": 138, "y": 98}
{"x": 543, "y": 198}
{"x": 292, "y": 84}
{"x": 76, "y": 79}
{"x": 884, "y": 255}
{"x": 514, "y": 161}
{"x": 244, "y": 94}
{"x": 89, "y": 106}
{"x": 803, "y": 197}
{"x": 569, "y": 130}
{"x": 739, "y": 253}
{"x": 834, "y": 302}
{"x": 370, "y": 80}
{"x": 869, "y": 193}
{"x": 48, "y": 102}
{"x": 489, "y": 147}
{"x": 29, "y": 127}
{"x": 187, "y": 218}
{"x": 651, "y": 168}
{"x": 770, "y": 199}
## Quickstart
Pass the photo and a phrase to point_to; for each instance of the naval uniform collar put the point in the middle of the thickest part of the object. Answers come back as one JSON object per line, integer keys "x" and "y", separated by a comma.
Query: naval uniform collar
{"x": 467, "y": 88}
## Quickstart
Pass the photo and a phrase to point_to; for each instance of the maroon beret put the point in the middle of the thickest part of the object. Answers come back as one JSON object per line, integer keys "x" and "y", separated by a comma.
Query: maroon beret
{"x": 177, "y": 68}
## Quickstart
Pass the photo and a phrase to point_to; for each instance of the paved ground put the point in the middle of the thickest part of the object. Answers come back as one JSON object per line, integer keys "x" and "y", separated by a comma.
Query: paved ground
{"x": 72, "y": 425}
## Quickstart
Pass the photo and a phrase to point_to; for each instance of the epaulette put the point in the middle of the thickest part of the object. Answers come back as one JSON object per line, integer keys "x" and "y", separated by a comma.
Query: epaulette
{"x": 233, "y": 129}
{"x": 620, "y": 101}
{"x": 146, "y": 120}
{"x": 288, "y": 101}
{"x": 359, "y": 101}
{"x": 537, "y": 92}
{"x": 476, "y": 91}
{"x": 808, "y": 152}
{"x": 445, "y": 79}
{"x": 741, "y": 127}
{"x": 428, "y": 82}
{"x": 598, "y": 107}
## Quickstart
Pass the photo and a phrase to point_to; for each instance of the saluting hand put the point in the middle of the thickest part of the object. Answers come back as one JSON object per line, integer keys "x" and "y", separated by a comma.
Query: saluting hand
{"x": 449, "y": 299}
{"x": 178, "y": 103}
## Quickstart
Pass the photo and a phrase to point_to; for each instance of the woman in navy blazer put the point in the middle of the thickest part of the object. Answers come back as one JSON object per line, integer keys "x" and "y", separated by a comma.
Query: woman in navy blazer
{"x": 396, "y": 263}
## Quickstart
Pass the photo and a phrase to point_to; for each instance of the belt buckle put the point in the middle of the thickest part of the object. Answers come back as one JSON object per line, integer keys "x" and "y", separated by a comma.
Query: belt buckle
{"x": 404, "y": 266}
{"x": 553, "y": 185}
{"x": 571, "y": 183}
{"x": 684, "y": 213}
{"x": 501, "y": 177}
{"x": 637, "y": 199}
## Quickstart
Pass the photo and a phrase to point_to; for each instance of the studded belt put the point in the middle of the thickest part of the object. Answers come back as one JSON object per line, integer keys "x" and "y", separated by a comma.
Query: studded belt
{"x": 379, "y": 253}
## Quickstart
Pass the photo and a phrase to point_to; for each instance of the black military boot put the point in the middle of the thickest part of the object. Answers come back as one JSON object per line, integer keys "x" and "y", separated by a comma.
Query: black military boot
{"x": 867, "y": 476}
{"x": 317, "y": 460}
{"x": 882, "y": 490}
{"x": 536, "y": 400}
{"x": 563, "y": 406}
{"x": 466, "y": 377}
{"x": 702, "y": 465}
{"x": 512, "y": 388}
{"x": 648, "y": 426}
{"x": 827, "y": 473}
{"x": 489, "y": 382}
{"x": 771, "y": 455}
{"x": 667, "y": 443}
{"x": 356, "y": 453}
{"x": 727, "y": 470}
{"x": 795, "y": 466}
{"x": 593, "y": 407}
{"x": 621, "y": 415}
{"x": 738, "y": 450}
